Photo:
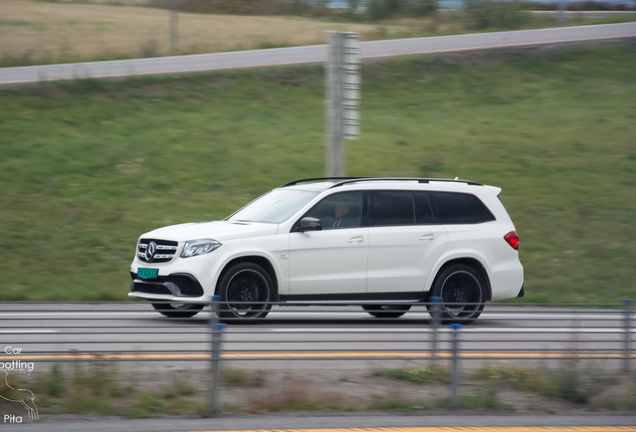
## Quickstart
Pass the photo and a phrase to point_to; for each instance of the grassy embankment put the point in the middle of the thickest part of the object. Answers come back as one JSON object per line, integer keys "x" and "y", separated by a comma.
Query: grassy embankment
{"x": 105, "y": 389}
{"x": 40, "y": 32}
{"x": 86, "y": 167}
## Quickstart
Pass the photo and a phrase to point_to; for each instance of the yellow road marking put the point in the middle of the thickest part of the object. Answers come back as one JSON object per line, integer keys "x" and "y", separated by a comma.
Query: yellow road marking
{"x": 318, "y": 61}
{"x": 456, "y": 429}
{"x": 288, "y": 355}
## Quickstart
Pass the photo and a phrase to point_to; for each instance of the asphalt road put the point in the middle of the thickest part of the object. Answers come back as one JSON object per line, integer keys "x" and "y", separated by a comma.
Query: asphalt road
{"x": 305, "y": 337}
{"x": 362, "y": 422}
{"x": 315, "y": 54}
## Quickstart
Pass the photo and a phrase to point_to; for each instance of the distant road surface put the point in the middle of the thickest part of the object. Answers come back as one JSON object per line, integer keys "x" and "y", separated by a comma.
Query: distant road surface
{"x": 314, "y": 54}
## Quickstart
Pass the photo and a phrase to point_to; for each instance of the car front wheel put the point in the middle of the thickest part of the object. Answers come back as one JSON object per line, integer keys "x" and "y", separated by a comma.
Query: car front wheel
{"x": 245, "y": 290}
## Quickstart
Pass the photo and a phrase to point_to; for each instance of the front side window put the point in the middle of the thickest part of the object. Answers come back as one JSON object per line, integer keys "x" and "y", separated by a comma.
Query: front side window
{"x": 461, "y": 208}
{"x": 274, "y": 207}
{"x": 338, "y": 211}
{"x": 393, "y": 208}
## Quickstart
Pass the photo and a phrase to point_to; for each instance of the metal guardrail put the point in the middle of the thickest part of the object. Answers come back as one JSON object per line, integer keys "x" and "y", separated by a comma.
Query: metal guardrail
{"x": 132, "y": 331}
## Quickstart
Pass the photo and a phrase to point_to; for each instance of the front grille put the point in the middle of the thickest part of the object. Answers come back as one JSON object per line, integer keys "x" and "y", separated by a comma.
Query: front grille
{"x": 164, "y": 250}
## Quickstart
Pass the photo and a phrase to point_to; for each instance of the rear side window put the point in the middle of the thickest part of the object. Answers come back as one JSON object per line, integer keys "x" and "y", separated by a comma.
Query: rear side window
{"x": 461, "y": 208}
{"x": 423, "y": 211}
{"x": 391, "y": 208}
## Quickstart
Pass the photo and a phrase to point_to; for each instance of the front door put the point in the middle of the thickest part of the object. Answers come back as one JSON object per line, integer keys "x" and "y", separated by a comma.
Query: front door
{"x": 334, "y": 259}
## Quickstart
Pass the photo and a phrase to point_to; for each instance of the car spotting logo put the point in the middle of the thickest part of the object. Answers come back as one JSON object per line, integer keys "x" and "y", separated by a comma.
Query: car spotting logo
{"x": 9, "y": 393}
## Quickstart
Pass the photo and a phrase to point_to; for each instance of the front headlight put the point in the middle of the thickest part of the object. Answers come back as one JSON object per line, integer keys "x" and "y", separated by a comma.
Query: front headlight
{"x": 199, "y": 247}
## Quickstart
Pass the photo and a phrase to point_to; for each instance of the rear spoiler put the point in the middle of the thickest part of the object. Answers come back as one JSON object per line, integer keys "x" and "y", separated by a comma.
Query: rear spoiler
{"x": 495, "y": 189}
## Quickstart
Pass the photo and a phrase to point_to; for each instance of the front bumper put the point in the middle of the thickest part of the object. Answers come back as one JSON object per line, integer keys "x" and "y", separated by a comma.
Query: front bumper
{"x": 181, "y": 285}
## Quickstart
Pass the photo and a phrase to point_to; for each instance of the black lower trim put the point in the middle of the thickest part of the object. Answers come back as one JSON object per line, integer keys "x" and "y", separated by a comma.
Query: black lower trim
{"x": 416, "y": 296}
{"x": 522, "y": 292}
{"x": 177, "y": 284}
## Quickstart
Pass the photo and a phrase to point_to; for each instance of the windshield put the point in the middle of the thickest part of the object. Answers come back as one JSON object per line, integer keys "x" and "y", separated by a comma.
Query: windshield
{"x": 274, "y": 207}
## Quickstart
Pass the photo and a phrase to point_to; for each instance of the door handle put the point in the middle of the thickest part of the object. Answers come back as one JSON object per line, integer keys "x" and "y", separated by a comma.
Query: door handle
{"x": 429, "y": 236}
{"x": 356, "y": 239}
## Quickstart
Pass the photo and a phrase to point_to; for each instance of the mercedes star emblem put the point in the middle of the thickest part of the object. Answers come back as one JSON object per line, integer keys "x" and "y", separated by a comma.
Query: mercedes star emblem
{"x": 150, "y": 251}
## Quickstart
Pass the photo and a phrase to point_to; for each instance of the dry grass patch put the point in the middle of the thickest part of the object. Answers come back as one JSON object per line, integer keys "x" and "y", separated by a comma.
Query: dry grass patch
{"x": 35, "y": 32}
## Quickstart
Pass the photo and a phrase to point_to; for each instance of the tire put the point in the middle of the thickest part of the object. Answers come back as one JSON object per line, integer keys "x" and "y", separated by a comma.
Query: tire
{"x": 387, "y": 311}
{"x": 457, "y": 285}
{"x": 244, "y": 283}
{"x": 178, "y": 310}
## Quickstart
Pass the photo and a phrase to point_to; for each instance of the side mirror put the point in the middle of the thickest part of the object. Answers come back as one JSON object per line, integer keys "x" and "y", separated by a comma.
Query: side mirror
{"x": 310, "y": 224}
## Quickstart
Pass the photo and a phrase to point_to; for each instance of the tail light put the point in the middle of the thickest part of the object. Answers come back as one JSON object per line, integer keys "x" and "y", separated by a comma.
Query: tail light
{"x": 513, "y": 240}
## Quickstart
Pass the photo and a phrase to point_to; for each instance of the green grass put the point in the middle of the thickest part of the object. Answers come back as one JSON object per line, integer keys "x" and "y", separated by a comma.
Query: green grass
{"x": 99, "y": 388}
{"x": 434, "y": 373}
{"x": 86, "y": 167}
{"x": 573, "y": 380}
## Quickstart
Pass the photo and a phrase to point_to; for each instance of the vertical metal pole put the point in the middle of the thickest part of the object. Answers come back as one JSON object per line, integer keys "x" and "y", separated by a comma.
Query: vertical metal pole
{"x": 561, "y": 13}
{"x": 335, "y": 154}
{"x": 214, "y": 321}
{"x": 216, "y": 358}
{"x": 435, "y": 312}
{"x": 174, "y": 27}
{"x": 627, "y": 306}
{"x": 455, "y": 367}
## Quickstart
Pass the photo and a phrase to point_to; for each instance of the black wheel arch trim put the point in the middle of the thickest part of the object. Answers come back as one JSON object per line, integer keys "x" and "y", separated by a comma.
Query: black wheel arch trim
{"x": 472, "y": 262}
{"x": 255, "y": 259}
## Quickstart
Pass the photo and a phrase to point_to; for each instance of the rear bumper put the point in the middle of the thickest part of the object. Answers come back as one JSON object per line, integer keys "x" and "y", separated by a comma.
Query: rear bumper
{"x": 521, "y": 293}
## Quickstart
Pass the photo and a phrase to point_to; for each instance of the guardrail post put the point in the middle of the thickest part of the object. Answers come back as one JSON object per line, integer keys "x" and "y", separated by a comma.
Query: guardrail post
{"x": 435, "y": 319}
{"x": 455, "y": 367}
{"x": 214, "y": 357}
{"x": 627, "y": 306}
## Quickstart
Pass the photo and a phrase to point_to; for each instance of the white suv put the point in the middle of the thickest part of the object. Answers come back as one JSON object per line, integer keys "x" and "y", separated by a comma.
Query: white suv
{"x": 385, "y": 242}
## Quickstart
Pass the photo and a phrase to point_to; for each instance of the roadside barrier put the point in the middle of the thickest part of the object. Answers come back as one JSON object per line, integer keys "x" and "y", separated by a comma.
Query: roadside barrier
{"x": 45, "y": 333}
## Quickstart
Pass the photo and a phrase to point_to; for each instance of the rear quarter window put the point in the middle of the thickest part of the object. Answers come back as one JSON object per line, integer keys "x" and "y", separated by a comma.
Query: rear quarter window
{"x": 461, "y": 208}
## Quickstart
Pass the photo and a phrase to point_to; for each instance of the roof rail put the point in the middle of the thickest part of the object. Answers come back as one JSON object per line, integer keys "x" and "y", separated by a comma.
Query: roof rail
{"x": 295, "y": 182}
{"x": 419, "y": 180}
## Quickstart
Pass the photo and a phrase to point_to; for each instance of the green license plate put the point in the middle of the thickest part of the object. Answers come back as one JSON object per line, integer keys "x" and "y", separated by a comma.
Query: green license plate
{"x": 147, "y": 273}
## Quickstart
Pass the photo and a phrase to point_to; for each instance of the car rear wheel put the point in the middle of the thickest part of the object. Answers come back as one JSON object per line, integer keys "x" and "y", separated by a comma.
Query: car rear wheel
{"x": 178, "y": 310}
{"x": 245, "y": 290}
{"x": 462, "y": 290}
{"x": 387, "y": 311}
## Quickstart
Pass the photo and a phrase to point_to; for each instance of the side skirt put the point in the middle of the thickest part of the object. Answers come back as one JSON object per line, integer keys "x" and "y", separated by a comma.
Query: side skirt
{"x": 357, "y": 297}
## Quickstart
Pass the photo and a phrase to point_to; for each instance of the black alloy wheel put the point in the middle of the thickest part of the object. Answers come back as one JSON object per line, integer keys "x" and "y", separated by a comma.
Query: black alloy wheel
{"x": 462, "y": 290}
{"x": 245, "y": 290}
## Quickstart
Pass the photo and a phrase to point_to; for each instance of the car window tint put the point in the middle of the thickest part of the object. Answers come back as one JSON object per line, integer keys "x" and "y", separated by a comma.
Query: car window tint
{"x": 338, "y": 211}
{"x": 461, "y": 208}
{"x": 423, "y": 211}
{"x": 393, "y": 208}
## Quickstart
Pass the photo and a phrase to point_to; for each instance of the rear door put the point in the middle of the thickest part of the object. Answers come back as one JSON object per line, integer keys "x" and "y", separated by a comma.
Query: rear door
{"x": 470, "y": 225}
{"x": 405, "y": 241}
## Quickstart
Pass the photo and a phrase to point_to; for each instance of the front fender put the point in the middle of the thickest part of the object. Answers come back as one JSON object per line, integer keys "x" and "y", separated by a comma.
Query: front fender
{"x": 220, "y": 265}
